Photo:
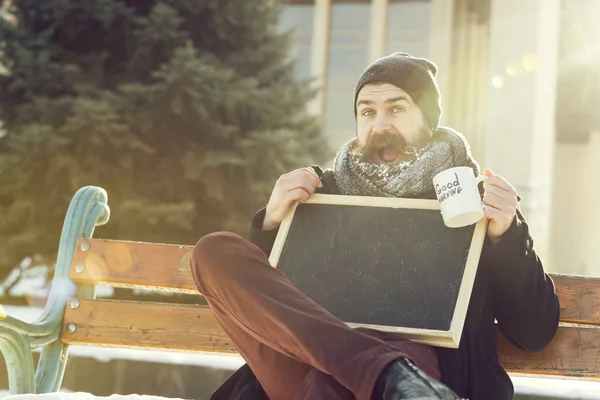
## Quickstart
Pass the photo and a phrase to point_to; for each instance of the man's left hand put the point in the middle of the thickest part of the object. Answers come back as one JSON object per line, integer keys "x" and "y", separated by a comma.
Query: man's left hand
{"x": 500, "y": 204}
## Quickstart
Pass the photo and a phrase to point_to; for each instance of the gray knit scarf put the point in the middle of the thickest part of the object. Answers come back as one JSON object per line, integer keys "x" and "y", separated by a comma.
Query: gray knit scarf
{"x": 410, "y": 179}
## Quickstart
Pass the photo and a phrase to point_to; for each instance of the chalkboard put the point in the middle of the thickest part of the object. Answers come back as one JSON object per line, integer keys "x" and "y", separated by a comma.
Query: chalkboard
{"x": 388, "y": 264}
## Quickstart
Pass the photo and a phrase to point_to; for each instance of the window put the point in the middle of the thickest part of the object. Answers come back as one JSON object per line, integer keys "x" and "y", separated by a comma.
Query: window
{"x": 408, "y": 28}
{"x": 298, "y": 18}
{"x": 348, "y": 54}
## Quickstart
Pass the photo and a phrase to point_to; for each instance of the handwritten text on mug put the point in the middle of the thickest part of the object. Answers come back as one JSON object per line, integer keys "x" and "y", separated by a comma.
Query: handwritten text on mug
{"x": 448, "y": 190}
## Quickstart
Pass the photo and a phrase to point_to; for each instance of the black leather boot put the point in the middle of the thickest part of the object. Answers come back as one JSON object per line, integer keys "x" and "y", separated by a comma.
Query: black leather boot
{"x": 401, "y": 379}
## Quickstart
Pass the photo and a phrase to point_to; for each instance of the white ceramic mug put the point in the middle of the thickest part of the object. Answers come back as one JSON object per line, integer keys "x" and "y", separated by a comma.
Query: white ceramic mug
{"x": 460, "y": 202}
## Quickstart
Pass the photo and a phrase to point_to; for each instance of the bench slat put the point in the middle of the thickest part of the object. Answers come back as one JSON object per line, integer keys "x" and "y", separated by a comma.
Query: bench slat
{"x": 134, "y": 265}
{"x": 574, "y": 352}
{"x": 579, "y": 298}
{"x": 117, "y": 323}
{"x": 166, "y": 267}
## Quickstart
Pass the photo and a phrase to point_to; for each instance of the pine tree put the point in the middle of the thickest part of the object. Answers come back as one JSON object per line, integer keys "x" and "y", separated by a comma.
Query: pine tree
{"x": 185, "y": 111}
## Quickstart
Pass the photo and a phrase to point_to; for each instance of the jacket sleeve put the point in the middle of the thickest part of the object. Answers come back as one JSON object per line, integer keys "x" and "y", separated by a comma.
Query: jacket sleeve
{"x": 263, "y": 239}
{"x": 525, "y": 302}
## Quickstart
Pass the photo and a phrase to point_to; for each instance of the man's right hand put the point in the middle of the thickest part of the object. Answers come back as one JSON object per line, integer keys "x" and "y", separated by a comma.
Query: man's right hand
{"x": 295, "y": 186}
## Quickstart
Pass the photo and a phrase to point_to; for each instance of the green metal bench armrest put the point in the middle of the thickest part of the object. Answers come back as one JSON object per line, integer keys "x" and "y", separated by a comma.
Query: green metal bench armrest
{"x": 29, "y": 330}
{"x": 17, "y": 354}
{"x": 87, "y": 210}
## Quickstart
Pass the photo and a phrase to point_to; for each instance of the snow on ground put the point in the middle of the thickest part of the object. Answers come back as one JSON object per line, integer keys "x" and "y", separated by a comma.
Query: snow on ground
{"x": 557, "y": 388}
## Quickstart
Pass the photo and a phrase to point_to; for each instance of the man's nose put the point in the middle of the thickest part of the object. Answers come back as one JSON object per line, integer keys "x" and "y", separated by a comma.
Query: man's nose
{"x": 382, "y": 123}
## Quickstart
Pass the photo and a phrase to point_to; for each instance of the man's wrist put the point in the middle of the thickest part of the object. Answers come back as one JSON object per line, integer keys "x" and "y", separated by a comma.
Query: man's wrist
{"x": 515, "y": 226}
{"x": 268, "y": 224}
{"x": 494, "y": 240}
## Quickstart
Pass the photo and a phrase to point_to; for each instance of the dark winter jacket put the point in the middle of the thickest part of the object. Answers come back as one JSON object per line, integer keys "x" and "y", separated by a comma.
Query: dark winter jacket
{"x": 510, "y": 287}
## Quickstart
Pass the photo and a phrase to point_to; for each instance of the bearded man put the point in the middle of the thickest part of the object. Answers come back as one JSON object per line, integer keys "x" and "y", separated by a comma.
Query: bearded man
{"x": 295, "y": 349}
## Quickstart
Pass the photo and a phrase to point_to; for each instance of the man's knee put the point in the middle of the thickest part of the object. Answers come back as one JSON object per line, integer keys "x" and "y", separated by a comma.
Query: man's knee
{"x": 213, "y": 257}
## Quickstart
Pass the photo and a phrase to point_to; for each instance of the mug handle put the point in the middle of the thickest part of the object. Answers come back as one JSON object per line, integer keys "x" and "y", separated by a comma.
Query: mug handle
{"x": 480, "y": 179}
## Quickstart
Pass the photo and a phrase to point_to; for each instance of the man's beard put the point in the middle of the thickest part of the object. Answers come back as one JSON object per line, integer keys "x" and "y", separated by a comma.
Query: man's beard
{"x": 392, "y": 143}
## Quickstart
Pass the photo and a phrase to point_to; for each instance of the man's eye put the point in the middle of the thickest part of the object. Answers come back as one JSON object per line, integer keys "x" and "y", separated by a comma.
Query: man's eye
{"x": 397, "y": 109}
{"x": 367, "y": 113}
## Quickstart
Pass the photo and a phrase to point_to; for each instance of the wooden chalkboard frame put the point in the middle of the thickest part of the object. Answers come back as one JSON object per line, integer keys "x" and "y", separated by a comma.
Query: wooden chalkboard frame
{"x": 442, "y": 338}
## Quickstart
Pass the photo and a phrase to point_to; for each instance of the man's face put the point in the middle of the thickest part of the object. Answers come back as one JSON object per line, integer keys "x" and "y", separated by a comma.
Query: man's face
{"x": 389, "y": 125}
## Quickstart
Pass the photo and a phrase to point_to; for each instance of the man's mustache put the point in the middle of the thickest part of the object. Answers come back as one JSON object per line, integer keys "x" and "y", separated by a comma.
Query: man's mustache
{"x": 384, "y": 140}
{"x": 395, "y": 140}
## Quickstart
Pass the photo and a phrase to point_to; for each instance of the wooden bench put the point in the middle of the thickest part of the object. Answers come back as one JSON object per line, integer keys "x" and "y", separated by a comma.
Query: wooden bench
{"x": 83, "y": 320}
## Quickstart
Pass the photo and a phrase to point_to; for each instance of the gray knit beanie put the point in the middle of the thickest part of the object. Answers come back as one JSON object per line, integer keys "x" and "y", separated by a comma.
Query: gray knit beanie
{"x": 416, "y": 76}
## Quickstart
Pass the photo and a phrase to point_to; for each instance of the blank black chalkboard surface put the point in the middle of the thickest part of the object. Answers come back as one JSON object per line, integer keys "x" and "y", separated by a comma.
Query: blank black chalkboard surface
{"x": 384, "y": 263}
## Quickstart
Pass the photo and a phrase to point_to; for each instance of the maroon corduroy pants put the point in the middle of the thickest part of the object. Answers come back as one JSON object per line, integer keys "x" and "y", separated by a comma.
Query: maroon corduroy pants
{"x": 296, "y": 349}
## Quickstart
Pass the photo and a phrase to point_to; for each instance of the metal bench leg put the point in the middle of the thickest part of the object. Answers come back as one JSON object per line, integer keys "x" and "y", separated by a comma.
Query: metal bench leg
{"x": 51, "y": 367}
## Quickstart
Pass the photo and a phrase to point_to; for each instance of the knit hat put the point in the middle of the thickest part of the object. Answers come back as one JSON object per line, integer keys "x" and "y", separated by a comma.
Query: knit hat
{"x": 416, "y": 76}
